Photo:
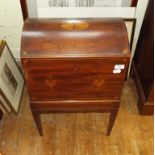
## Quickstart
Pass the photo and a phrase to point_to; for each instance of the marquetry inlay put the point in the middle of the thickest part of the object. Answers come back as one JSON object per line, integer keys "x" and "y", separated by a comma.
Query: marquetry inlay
{"x": 99, "y": 82}
{"x": 75, "y": 26}
{"x": 51, "y": 83}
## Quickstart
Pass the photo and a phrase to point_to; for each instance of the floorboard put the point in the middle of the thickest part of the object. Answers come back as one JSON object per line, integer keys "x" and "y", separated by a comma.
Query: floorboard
{"x": 79, "y": 134}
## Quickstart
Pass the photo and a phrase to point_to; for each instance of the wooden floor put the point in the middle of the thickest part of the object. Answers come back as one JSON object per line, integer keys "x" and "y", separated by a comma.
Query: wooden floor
{"x": 79, "y": 134}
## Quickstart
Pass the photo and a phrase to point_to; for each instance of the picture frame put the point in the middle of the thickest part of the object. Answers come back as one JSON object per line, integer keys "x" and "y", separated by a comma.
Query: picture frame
{"x": 3, "y": 104}
{"x": 11, "y": 80}
{"x": 130, "y": 26}
{"x": 30, "y": 9}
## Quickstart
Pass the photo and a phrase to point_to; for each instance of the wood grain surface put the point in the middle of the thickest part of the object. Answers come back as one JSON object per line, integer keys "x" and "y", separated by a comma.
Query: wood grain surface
{"x": 74, "y": 79}
{"x": 48, "y": 38}
{"x": 79, "y": 134}
{"x": 70, "y": 65}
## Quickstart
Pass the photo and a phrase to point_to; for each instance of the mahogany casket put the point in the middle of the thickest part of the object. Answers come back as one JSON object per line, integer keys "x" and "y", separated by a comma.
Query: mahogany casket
{"x": 74, "y": 65}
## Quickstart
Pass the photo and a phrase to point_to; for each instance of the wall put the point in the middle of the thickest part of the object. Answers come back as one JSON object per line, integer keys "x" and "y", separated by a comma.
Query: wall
{"x": 11, "y": 23}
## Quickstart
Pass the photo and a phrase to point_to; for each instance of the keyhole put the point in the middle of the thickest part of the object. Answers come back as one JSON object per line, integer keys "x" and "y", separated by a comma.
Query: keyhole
{"x": 75, "y": 68}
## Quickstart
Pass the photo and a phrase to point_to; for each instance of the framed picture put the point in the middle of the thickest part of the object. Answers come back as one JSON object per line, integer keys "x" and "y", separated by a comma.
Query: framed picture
{"x": 72, "y": 8}
{"x": 130, "y": 25}
{"x": 11, "y": 80}
{"x": 3, "y": 105}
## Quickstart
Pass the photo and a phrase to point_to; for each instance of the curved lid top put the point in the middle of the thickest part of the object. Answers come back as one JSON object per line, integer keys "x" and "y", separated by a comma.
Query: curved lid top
{"x": 61, "y": 38}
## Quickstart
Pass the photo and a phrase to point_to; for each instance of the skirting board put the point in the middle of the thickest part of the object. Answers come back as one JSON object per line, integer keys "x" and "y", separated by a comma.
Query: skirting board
{"x": 145, "y": 108}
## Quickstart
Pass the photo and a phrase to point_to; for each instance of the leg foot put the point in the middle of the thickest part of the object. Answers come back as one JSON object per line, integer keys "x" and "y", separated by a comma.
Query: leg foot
{"x": 37, "y": 120}
{"x": 112, "y": 118}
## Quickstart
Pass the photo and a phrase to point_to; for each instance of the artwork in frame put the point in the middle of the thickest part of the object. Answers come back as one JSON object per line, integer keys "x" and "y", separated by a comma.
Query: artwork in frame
{"x": 5, "y": 108}
{"x": 130, "y": 25}
{"x": 11, "y": 80}
{"x": 83, "y": 3}
{"x": 30, "y": 7}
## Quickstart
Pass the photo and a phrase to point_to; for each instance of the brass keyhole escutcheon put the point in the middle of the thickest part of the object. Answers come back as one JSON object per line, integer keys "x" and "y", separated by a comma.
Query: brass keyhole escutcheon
{"x": 75, "y": 69}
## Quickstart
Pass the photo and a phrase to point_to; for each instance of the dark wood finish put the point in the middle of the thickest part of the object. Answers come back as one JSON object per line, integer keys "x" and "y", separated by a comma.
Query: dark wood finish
{"x": 151, "y": 94}
{"x": 24, "y": 9}
{"x": 47, "y": 77}
{"x": 1, "y": 114}
{"x": 134, "y": 3}
{"x": 143, "y": 64}
{"x": 145, "y": 107}
{"x": 68, "y": 65}
{"x": 74, "y": 38}
{"x": 74, "y": 105}
{"x": 112, "y": 118}
{"x": 37, "y": 119}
